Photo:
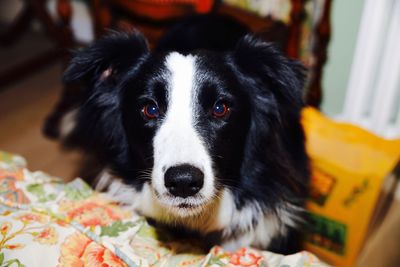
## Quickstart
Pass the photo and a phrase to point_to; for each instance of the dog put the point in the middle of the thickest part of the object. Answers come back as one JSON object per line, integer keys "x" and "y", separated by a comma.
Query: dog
{"x": 200, "y": 140}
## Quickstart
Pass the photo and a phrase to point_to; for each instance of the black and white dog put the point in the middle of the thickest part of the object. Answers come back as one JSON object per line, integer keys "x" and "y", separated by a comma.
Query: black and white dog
{"x": 209, "y": 142}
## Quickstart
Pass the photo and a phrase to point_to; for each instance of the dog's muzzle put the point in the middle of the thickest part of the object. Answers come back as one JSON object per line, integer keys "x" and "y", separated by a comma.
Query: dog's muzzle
{"x": 183, "y": 180}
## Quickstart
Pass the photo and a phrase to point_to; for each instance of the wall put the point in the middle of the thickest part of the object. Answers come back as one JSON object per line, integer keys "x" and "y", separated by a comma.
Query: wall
{"x": 346, "y": 17}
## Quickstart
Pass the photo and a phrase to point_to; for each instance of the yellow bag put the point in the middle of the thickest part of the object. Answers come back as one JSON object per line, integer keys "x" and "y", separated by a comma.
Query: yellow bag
{"x": 349, "y": 168}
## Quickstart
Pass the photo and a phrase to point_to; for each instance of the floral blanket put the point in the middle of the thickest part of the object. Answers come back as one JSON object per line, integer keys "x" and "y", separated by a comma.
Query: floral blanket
{"x": 45, "y": 222}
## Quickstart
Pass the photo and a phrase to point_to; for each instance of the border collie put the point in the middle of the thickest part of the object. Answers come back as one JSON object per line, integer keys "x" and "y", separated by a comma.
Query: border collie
{"x": 207, "y": 142}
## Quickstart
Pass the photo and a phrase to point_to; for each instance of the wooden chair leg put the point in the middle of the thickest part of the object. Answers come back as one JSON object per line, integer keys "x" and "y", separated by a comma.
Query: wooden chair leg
{"x": 60, "y": 30}
{"x": 67, "y": 41}
{"x": 320, "y": 50}
{"x": 101, "y": 16}
{"x": 296, "y": 20}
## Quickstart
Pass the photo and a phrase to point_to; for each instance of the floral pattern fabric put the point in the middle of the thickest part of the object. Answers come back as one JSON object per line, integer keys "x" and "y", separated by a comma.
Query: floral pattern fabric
{"x": 44, "y": 222}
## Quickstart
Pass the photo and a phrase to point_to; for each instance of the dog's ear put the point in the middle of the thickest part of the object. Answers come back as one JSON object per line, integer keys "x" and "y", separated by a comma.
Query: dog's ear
{"x": 273, "y": 82}
{"x": 275, "y": 141}
{"x": 96, "y": 121}
{"x": 261, "y": 60}
{"x": 107, "y": 59}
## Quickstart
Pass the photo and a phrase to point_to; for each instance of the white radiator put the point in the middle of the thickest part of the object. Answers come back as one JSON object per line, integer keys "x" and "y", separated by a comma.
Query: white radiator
{"x": 373, "y": 93}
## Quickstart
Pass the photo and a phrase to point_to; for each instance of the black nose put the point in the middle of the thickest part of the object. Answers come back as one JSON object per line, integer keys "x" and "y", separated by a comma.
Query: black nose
{"x": 183, "y": 180}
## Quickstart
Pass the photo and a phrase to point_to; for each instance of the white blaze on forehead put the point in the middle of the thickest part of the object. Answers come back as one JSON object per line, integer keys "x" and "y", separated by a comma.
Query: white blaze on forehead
{"x": 177, "y": 141}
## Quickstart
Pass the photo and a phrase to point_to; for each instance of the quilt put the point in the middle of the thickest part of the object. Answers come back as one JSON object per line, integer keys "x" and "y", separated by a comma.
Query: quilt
{"x": 46, "y": 222}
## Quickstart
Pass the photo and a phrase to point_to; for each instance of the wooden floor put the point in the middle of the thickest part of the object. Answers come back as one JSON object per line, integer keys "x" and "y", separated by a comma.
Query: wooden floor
{"x": 23, "y": 108}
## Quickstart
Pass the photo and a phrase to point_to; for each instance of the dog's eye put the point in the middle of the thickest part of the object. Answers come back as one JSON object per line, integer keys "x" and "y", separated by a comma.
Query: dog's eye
{"x": 151, "y": 111}
{"x": 220, "y": 109}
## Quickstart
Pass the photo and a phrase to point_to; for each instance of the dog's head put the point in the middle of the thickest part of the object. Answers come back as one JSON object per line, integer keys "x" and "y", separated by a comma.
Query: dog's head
{"x": 188, "y": 126}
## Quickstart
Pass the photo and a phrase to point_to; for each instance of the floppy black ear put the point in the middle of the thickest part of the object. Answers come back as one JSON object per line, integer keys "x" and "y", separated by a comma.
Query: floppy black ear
{"x": 106, "y": 59}
{"x": 283, "y": 76}
{"x": 97, "y": 125}
{"x": 273, "y": 82}
{"x": 275, "y": 142}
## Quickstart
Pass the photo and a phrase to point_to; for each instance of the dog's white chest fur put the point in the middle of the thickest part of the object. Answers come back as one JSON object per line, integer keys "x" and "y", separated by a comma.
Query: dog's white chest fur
{"x": 247, "y": 226}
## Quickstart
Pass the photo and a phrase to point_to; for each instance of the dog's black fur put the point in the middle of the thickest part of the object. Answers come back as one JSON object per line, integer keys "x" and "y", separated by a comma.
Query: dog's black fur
{"x": 258, "y": 151}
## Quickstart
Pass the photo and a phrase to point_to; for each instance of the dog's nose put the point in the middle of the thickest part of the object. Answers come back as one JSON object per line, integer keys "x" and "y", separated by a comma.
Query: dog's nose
{"x": 183, "y": 180}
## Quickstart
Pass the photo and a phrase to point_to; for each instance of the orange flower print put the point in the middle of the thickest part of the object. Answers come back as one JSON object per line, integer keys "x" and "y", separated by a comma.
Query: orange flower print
{"x": 97, "y": 255}
{"x": 79, "y": 250}
{"x": 243, "y": 257}
{"x": 10, "y": 192}
{"x": 17, "y": 175}
{"x": 61, "y": 223}
{"x": 92, "y": 212}
{"x": 72, "y": 249}
{"x": 48, "y": 236}
{"x": 4, "y": 228}
{"x": 14, "y": 246}
{"x": 31, "y": 217}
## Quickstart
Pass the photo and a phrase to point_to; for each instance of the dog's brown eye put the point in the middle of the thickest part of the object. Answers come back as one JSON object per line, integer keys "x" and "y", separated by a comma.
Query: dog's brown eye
{"x": 220, "y": 109}
{"x": 151, "y": 111}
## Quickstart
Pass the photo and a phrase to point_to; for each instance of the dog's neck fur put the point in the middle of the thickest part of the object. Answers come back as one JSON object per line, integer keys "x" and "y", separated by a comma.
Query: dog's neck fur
{"x": 236, "y": 227}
